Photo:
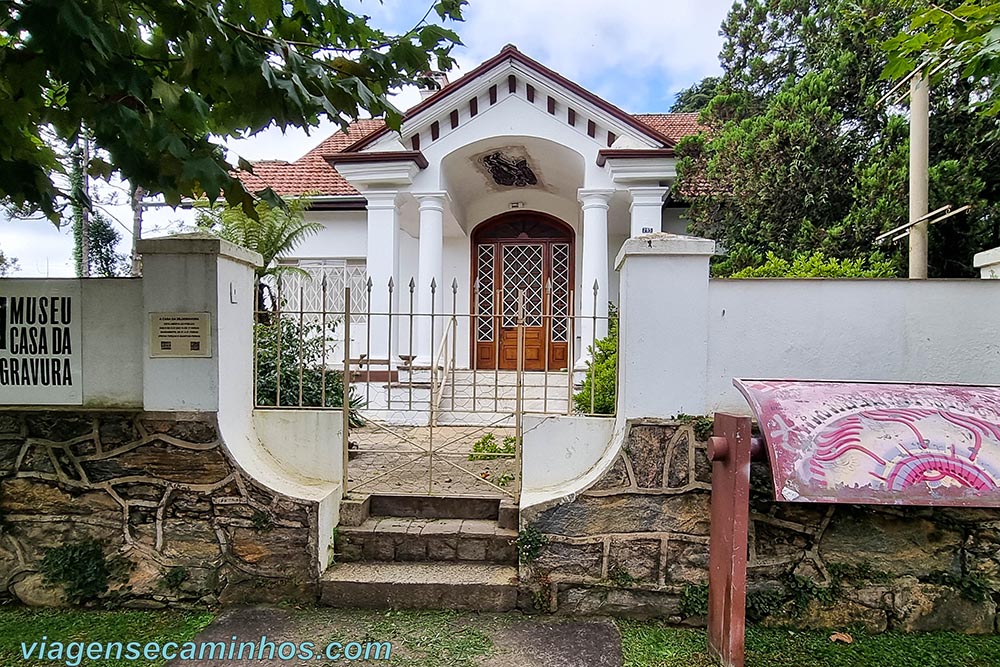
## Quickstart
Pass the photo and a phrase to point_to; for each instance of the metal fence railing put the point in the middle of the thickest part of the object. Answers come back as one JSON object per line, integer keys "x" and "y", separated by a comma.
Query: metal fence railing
{"x": 421, "y": 387}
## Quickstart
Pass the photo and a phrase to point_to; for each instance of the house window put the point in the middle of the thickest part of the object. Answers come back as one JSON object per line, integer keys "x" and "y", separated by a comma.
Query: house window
{"x": 304, "y": 291}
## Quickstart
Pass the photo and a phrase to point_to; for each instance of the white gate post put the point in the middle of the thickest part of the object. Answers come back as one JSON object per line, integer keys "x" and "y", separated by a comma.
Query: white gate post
{"x": 663, "y": 326}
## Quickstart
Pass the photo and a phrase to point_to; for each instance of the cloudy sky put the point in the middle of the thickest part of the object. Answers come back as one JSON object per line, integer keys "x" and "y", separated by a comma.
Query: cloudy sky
{"x": 635, "y": 53}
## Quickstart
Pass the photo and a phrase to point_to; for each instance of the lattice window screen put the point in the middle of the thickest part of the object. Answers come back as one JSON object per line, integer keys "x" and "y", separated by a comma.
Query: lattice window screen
{"x": 340, "y": 273}
{"x": 484, "y": 292}
{"x": 560, "y": 292}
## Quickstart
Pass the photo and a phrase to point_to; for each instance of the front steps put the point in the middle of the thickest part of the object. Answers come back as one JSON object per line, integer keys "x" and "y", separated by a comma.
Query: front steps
{"x": 424, "y": 552}
{"x": 467, "y": 397}
{"x": 460, "y": 586}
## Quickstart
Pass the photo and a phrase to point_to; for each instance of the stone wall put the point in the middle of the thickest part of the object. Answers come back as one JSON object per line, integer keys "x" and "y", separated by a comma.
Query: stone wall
{"x": 178, "y": 521}
{"x": 636, "y": 544}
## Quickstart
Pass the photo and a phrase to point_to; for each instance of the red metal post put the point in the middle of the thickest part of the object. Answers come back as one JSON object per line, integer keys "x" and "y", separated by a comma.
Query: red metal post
{"x": 730, "y": 452}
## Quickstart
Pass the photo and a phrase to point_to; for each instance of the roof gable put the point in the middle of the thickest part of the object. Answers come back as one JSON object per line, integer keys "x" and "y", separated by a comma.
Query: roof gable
{"x": 511, "y": 72}
{"x": 312, "y": 174}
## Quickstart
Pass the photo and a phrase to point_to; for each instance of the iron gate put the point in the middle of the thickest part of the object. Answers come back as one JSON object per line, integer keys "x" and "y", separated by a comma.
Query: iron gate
{"x": 423, "y": 424}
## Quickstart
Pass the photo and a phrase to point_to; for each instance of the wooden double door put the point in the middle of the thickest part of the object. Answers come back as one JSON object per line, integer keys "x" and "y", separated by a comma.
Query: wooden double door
{"x": 522, "y": 261}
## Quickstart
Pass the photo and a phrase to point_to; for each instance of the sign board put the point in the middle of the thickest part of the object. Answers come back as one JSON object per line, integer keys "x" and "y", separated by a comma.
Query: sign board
{"x": 40, "y": 342}
{"x": 880, "y": 443}
{"x": 180, "y": 335}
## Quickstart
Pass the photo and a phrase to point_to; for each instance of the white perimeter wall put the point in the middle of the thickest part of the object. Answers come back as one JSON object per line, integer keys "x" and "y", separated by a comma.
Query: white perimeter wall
{"x": 906, "y": 330}
{"x": 112, "y": 330}
{"x": 685, "y": 337}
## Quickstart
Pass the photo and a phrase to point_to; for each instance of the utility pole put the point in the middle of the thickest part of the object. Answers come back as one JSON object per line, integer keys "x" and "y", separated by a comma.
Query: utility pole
{"x": 137, "y": 194}
{"x": 85, "y": 205}
{"x": 919, "y": 140}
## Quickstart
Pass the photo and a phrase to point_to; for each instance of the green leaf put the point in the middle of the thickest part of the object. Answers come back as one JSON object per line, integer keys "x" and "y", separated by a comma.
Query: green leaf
{"x": 169, "y": 94}
{"x": 156, "y": 80}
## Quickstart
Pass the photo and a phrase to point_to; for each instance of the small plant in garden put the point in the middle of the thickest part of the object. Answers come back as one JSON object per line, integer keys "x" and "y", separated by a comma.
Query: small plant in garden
{"x": 970, "y": 585}
{"x": 262, "y": 522}
{"x": 763, "y": 603}
{"x": 175, "y": 577}
{"x": 529, "y": 543}
{"x": 703, "y": 426}
{"x": 694, "y": 600}
{"x": 505, "y": 479}
{"x": 487, "y": 448}
{"x": 598, "y": 392}
{"x": 620, "y": 577}
{"x": 802, "y": 591}
{"x": 540, "y": 600}
{"x": 300, "y": 346}
{"x": 81, "y": 569}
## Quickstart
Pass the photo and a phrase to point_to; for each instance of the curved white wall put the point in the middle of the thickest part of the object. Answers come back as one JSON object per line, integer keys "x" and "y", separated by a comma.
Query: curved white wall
{"x": 195, "y": 273}
{"x": 562, "y": 455}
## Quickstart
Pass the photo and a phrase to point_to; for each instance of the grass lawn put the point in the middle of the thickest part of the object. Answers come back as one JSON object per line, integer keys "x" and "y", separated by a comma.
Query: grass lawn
{"x": 654, "y": 645}
{"x": 446, "y": 639}
{"x": 18, "y": 624}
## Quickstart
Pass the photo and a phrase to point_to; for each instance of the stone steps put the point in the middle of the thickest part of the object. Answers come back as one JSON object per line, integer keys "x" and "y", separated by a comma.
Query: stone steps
{"x": 355, "y": 510}
{"x": 436, "y": 507}
{"x": 459, "y": 586}
{"x": 424, "y": 552}
{"x": 408, "y": 539}
{"x": 484, "y": 378}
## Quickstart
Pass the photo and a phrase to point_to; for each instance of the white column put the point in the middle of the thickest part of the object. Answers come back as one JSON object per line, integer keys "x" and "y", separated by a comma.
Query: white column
{"x": 382, "y": 264}
{"x": 430, "y": 269}
{"x": 646, "y": 209}
{"x": 594, "y": 270}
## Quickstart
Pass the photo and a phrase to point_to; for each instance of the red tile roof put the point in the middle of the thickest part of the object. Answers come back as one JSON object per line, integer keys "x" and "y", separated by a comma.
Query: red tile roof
{"x": 673, "y": 125}
{"x": 311, "y": 174}
{"x": 676, "y": 126}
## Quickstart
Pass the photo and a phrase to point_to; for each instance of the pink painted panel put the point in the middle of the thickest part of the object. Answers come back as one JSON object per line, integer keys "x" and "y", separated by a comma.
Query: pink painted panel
{"x": 880, "y": 443}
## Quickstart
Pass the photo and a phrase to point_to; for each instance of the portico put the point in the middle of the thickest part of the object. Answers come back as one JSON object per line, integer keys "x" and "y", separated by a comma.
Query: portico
{"x": 510, "y": 188}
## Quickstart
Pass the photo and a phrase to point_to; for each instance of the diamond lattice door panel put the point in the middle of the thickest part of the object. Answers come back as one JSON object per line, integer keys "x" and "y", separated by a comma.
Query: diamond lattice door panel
{"x": 522, "y": 274}
{"x": 523, "y": 261}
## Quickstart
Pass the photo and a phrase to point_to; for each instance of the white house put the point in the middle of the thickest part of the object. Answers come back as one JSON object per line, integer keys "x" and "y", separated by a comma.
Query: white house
{"x": 511, "y": 182}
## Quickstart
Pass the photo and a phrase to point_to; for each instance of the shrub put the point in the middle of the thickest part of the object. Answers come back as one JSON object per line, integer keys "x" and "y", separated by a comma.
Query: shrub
{"x": 818, "y": 265}
{"x": 80, "y": 568}
{"x": 530, "y": 543}
{"x": 487, "y": 448}
{"x": 301, "y": 345}
{"x": 599, "y": 384}
{"x": 694, "y": 600}
{"x": 702, "y": 426}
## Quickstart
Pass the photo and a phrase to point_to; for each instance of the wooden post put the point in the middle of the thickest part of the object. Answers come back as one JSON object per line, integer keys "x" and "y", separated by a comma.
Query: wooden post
{"x": 729, "y": 451}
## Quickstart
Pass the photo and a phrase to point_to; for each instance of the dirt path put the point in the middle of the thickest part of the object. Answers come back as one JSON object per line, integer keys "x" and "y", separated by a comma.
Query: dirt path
{"x": 421, "y": 639}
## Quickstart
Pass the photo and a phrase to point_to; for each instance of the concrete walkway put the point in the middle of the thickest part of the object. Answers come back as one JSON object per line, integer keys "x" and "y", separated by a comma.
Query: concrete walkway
{"x": 422, "y": 639}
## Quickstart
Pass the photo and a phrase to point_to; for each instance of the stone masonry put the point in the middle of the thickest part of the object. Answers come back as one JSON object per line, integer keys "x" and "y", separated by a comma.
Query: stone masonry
{"x": 636, "y": 544}
{"x": 162, "y": 496}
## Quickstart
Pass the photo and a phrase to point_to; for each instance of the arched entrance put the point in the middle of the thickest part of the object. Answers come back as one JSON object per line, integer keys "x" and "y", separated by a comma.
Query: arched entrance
{"x": 531, "y": 254}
